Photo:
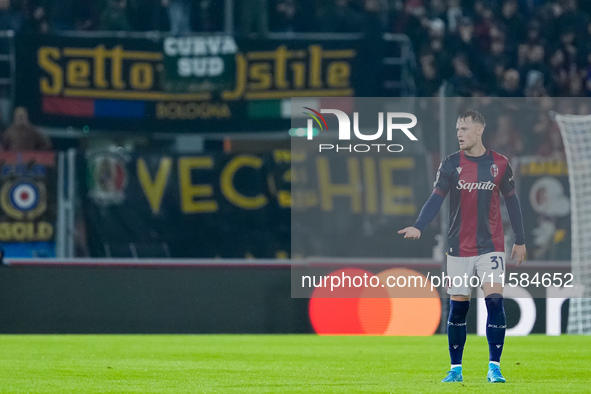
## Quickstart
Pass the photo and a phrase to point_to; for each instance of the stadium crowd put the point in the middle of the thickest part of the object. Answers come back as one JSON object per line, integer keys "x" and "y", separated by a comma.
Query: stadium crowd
{"x": 503, "y": 48}
{"x": 507, "y": 48}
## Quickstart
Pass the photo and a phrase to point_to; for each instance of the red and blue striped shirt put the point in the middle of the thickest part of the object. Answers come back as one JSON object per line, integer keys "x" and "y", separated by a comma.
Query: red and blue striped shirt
{"x": 474, "y": 185}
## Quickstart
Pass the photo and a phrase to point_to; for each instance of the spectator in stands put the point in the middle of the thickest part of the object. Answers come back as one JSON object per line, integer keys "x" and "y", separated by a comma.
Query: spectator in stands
{"x": 429, "y": 85}
{"x": 494, "y": 64}
{"x": 559, "y": 73}
{"x": 21, "y": 135}
{"x": 533, "y": 39}
{"x": 179, "y": 15}
{"x": 485, "y": 23}
{"x": 535, "y": 73}
{"x": 442, "y": 57}
{"x": 568, "y": 45}
{"x": 461, "y": 81}
{"x": 510, "y": 86}
{"x": 463, "y": 40}
{"x": 512, "y": 20}
{"x": 114, "y": 17}
{"x": 408, "y": 20}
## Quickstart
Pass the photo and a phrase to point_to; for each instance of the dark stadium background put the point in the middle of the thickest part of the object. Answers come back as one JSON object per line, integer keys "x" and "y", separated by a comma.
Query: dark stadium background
{"x": 163, "y": 205}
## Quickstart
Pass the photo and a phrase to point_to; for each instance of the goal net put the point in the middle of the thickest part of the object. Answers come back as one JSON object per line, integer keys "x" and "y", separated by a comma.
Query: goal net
{"x": 576, "y": 134}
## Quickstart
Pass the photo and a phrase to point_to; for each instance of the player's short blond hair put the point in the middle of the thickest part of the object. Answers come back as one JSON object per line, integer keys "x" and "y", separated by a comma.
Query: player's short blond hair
{"x": 473, "y": 115}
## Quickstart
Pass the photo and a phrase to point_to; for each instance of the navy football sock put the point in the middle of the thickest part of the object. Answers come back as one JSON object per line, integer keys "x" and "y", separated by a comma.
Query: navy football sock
{"x": 456, "y": 329}
{"x": 496, "y": 325}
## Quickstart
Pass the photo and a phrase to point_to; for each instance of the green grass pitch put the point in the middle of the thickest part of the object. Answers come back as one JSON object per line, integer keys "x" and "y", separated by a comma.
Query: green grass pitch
{"x": 282, "y": 364}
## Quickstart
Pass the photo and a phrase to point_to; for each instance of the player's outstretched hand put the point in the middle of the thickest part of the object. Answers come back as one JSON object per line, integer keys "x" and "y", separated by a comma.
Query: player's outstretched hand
{"x": 518, "y": 253}
{"x": 411, "y": 232}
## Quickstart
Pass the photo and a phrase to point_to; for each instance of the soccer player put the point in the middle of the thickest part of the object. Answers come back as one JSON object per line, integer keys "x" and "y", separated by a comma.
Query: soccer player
{"x": 473, "y": 177}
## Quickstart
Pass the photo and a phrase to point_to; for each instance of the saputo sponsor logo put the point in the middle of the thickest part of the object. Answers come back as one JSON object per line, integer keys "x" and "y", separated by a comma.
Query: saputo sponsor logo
{"x": 463, "y": 185}
{"x": 392, "y": 127}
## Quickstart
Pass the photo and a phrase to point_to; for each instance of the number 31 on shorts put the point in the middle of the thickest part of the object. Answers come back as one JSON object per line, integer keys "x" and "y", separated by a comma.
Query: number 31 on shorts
{"x": 495, "y": 261}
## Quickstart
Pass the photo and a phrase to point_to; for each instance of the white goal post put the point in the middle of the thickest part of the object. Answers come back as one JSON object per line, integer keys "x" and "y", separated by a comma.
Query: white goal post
{"x": 576, "y": 134}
